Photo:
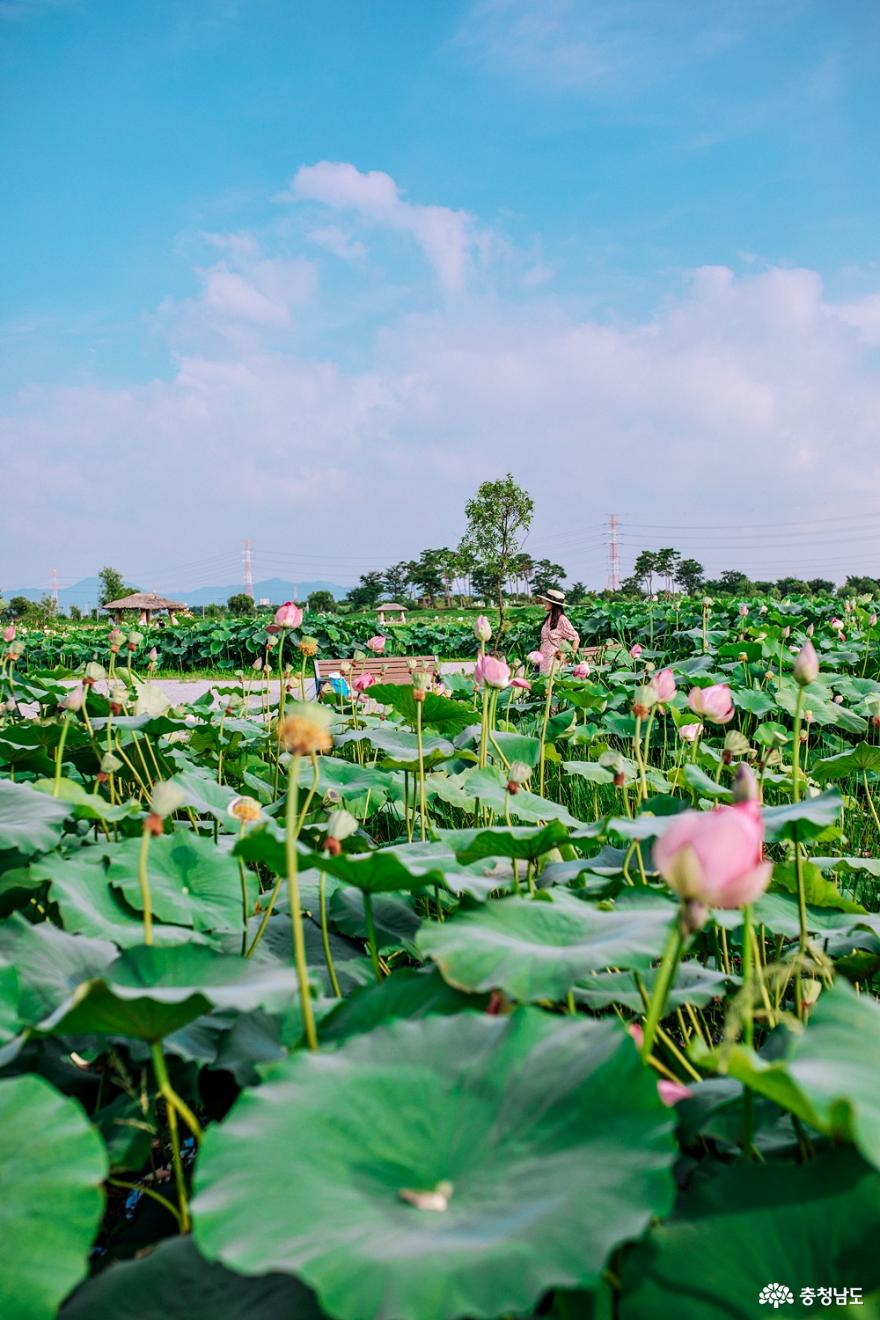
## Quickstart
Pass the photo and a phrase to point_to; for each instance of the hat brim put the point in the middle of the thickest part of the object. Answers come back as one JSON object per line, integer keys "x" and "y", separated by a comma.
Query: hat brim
{"x": 551, "y": 600}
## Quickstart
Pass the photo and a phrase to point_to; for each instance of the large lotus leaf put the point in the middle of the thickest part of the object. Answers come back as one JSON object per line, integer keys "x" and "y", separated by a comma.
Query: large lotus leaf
{"x": 352, "y": 780}
{"x": 395, "y": 917}
{"x": 548, "y": 1133}
{"x": 276, "y": 947}
{"x": 30, "y": 822}
{"x": 84, "y": 805}
{"x": 749, "y": 1225}
{"x": 779, "y": 913}
{"x": 89, "y": 906}
{"x": 819, "y": 892}
{"x": 520, "y": 841}
{"x": 207, "y": 796}
{"x": 174, "y": 1280}
{"x": 519, "y": 747}
{"x": 696, "y": 778}
{"x": 53, "y": 1165}
{"x": 407, "y": 993}
{"x": 50, "y": 963}
{"x": 400, "y": 750}
{"x": 802, "y": 820}
{"x": 817, "y": 698}
{"x": 694, "y": 984}
{"x": 755, "y": 702}
{"x": 150, "y": 992}
{"x": 489, "y": 787}
{"x": 192, "y": 882}
{"x": 401, "y": 867}
{"x": 856, "y": 760}
{"x": 538, "y": 949}
{"x": 827, "y": 1075}
{"x": 442, "y": 713}
{"x": 10, "y": 1020}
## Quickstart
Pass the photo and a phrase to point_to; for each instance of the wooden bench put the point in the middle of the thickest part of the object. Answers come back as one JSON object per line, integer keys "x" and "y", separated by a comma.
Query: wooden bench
{"x": 385, "y": 669}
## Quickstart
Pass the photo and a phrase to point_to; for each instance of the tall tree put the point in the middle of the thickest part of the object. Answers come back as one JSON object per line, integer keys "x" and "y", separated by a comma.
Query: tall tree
{"x": 367, "y": 591}
{"x": 396, "y": 580}
{"x": 112, "y": 585}
{"x": 645, "y": 567}
{"x": 498, "y": 520}
{"x": 666, "y": 562}
{"x": 427, "y": 573}
{"x": 689, "y": 575}
{"x": 546, "y": 575}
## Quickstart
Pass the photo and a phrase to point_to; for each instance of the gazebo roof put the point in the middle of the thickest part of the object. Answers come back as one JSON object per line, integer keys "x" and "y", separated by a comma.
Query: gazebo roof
{"x": 389, "y": 605}
{"x": 143, "y": 600}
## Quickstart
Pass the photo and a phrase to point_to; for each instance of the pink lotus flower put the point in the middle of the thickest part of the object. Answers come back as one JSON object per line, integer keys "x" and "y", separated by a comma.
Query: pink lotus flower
{"x": 288, "y": 615}
{"x": 743, "y": 611}
{"x": 363, "y": 681}
{"x": 153, "y": 655}
{"x": 671, "y": 1093}
{"x": 581, "y": 670}
{"x": 493, "y": 672}
{"x": 663, "y": 684}
{"x": 482, "y": 628}
{"x": 377, "y": 644}
{"x": 522, "y": 683}
{"x": 690, "y": 732}
{"x": 836, "y": 623}
{"x": 536, "y": 658}
{"x": 9, "y": 633}
{"x": 638, "y": 1035}
{"x": 714, "y": 858}
{"x": 872, "y": 621}
{"x": 806, "y": 667}
{"x": 714, "y": 703}
{"x": 635, "y": 651}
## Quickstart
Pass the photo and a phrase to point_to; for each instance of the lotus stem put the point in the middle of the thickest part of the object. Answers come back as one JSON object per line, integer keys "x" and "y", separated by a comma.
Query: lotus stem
{"x": 299, "y": 943}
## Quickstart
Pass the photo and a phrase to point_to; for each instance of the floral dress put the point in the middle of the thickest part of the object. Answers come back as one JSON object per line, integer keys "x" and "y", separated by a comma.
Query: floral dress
{"x": 551, "y": 639}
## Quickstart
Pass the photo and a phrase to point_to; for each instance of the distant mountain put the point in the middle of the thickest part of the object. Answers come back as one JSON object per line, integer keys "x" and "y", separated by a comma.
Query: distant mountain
{"x": 85, "y": 594}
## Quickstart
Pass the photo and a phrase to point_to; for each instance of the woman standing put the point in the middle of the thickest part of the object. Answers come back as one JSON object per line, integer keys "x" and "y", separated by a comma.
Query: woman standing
{"x": 556, "y": 629}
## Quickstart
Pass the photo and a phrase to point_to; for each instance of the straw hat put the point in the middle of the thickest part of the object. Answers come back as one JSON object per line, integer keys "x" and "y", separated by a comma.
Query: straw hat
{"x": 552, "y": 596}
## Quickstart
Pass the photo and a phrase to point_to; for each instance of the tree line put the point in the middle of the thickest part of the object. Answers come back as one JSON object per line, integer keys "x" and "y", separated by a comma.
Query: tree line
{"x": 667, "y": 570}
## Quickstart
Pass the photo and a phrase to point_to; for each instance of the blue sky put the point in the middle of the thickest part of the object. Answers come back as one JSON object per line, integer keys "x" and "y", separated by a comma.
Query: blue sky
{"x": 312, "y": 271}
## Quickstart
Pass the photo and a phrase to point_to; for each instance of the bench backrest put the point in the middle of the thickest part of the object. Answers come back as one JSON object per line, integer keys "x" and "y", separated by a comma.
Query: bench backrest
{"x": 386, "y": 669}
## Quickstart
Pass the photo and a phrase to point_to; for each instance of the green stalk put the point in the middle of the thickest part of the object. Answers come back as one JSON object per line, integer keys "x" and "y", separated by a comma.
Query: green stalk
{"x": 144, "y": 882}
{"x": 59, "y": 753}
{"x": 325, "y": 934}
{"x": 371, "y": 935}
{"x": 748, "y": 1021}
{"x": 423, "y": 808}
{"x": 798, "y": 857}
{"x": 174, "y": 1105}
{"x": 299, "y": 943}
{"x": 671, "y": 955}
{"x": 544, "y": 724}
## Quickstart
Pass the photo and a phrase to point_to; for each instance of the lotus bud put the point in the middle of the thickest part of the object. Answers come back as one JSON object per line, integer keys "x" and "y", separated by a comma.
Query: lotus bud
{"x": 707, "y": 602}
{"x": 421, "y": 682}
{"x": 73, "y": 701}
{"x": 377, "y": 644}
{"x": 288, "y": 615}
{"x": 762, "y": 609}
{"x": 743, "y": 611}
{"x": 9, "y": 633}
{"x": 153, "y": 656}
{"x": 165, "y": 800}
{"x": 645, "y": 697}
{"x": 635, "y": 650}
{"x": 110, "y": 764}
{"x": 745, "y": 785}
{"x": 517, "y": 775}
{"x": 872, "y": 620}
{"x": 536, "y": 658}
{"x": 482, "y": 628}
{"x": 339, "y": 826}
{"x": 786, "y": 632}
{"x": 806, "y": 667}
{"x": 811, "y": 628}
{"x": 94, "y": 673}
{"x": 690, "y": 732}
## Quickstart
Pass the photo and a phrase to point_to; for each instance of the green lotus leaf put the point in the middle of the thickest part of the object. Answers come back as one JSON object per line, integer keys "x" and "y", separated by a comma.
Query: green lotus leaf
{"x": 750, "y": 1225}
{"x": 53, "y": 1165}
{"x": 442, "y": 713}
{"x": 802, "y": 820}
{"x": 856, "y": 760}
{"x": 521, "y": 841}
{"x": 85, "y": 805}
{"x": 150, "y": 992}
{"x": 694, "y": 984}
{"x": 30, "y": 822}
{"x": 827, "y": 1075}
{"x": 192, "y": 882}
{"x": 539, "y": 949}
{"x": 174, "y": 1280}
{"x": 408, "y": 993}
{"x": 539, "y": 1143}
{"x": 400, "y": 750}
{"x": 50, "y": 963}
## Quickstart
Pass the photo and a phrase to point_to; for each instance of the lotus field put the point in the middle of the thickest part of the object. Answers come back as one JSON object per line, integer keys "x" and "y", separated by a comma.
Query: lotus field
{"x": 521, "y": 995}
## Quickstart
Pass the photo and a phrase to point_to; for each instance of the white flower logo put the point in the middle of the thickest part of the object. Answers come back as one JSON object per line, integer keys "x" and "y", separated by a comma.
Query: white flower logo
{"x": 775, "y": 1295}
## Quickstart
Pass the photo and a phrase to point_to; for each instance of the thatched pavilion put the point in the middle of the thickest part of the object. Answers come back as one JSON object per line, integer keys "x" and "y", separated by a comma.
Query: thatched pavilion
{"x": 389, "y": 607}
{"x": 146, "y": 602}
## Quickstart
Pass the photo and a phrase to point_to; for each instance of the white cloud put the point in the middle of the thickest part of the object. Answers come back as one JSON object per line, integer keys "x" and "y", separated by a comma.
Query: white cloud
{"x": 864, "y": 315}
{"x": 338, "y": 242}
{"x": 743, "y": 397}
{"x": 448, "y": 238}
